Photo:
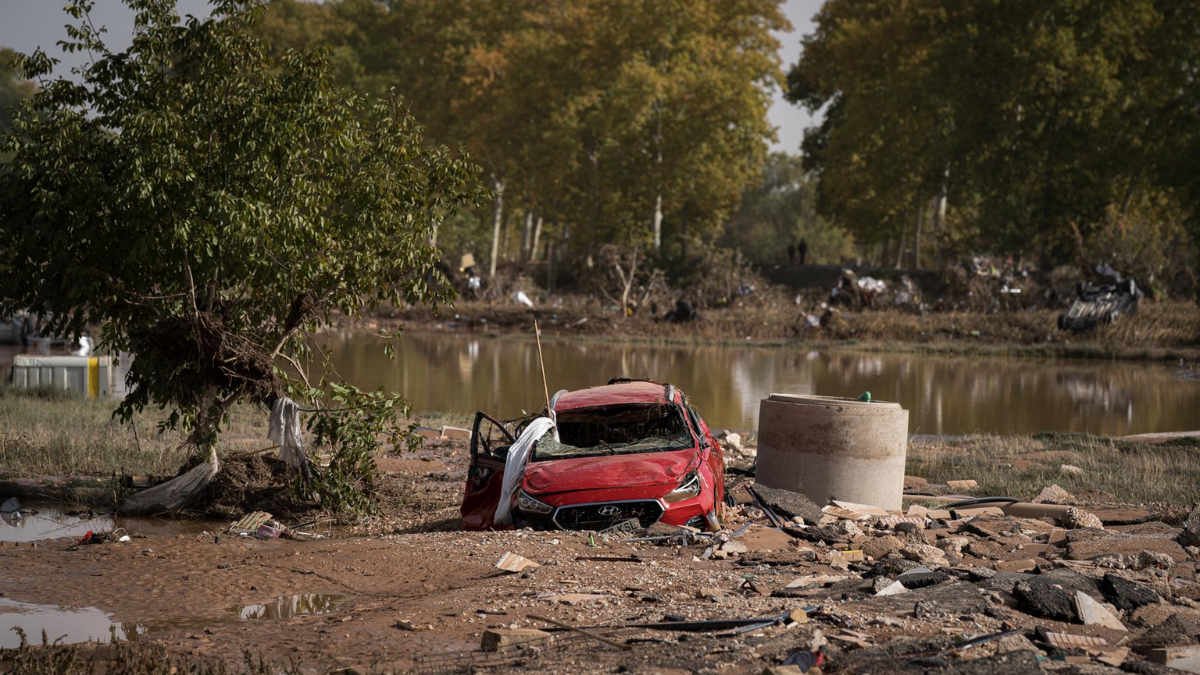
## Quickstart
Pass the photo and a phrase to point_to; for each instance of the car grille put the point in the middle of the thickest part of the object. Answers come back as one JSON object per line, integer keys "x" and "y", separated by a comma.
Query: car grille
{"x": 590, "y": 516}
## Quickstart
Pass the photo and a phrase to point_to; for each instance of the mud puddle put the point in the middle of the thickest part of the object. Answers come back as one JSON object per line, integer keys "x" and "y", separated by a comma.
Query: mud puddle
{"x": 65, "y": 625}
{"x": 35, "y": 522}
{"x": 290, "y": 606}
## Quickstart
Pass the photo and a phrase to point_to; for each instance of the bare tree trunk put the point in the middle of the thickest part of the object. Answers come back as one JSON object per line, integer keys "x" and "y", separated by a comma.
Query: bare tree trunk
{"x": 683, "y": 233}
{"x": 917, "y": 237}
{"x": 526, "y": 235}
{"x": 497, "y": 219}
{"x": 658, "y": 218}
{"x": 549, "y": 266}
{"x": 433, "y": 235}
{"x": 900, "y": 247}
{"x": 537, "y": 235}
{"x": 939, "y": 218}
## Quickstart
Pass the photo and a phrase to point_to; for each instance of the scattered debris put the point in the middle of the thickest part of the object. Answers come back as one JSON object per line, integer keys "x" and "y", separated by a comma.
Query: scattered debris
{"x": 511, "y": 562}
{"x": 1053, "y": 494}
{"x": 498, "y": 639}
{"x": 1092, "y": 613}
{"x": 1075, "y": 519}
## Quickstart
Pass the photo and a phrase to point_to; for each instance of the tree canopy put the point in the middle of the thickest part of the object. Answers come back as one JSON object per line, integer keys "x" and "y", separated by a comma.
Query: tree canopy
{"x": 1039, "y": 121}
{"x": 211, "y": 203}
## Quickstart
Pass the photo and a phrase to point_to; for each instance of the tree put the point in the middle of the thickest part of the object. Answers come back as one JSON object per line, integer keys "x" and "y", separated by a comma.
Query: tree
{"x": 781, "y": 211}
{"x": 211, "y": 205}
{"x": 13, "y": 90}
{"x": 1037, "y": 118}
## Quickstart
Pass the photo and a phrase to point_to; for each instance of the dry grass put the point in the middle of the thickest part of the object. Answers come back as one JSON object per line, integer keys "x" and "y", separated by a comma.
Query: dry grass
{"x": 1020, "y": 466}
{"x": 58, "y": 433}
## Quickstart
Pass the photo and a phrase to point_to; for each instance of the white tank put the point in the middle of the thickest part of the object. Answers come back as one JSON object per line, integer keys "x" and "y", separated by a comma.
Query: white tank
{"x": 833, "y": 448}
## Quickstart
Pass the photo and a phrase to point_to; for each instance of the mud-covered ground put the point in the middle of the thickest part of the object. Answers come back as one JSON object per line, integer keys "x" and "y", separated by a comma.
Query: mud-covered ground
{"x": 406, "y": 591}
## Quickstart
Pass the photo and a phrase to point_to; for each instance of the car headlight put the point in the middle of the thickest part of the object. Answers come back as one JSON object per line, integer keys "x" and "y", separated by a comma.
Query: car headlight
{"x": 530, "y": 505}
{"x": 690, "y": 487}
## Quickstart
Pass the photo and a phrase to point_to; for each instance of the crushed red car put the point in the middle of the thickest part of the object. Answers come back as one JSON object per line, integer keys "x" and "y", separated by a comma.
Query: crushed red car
{"x": 631, "y": 449}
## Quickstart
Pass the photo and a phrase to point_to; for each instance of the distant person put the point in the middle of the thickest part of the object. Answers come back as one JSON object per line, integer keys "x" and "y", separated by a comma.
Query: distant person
{"x": 791, "y": 255}
{"x": 803, "y": 251}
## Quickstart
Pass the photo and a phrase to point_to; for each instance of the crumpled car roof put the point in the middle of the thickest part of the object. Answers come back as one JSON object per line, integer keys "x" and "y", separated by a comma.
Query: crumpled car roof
{"x": 621, "y": 393}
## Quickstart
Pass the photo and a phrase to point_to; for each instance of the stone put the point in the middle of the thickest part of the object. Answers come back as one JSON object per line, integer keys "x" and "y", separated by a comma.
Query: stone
{"x": 496, "y": 639}
{"x": 712, "y": 594}
{"x": 953, "y": 546}
{"x": 789, "y": 504}
{"x": 962, "y": 484}
{"x": 988, "y": 550}
{"x": 1071, "y": 469}
{"x": 924, "y": 554}
{"x": 1174, "y": 632}
{"x": 511, "y": 562}
{"x": 1191, "y": 529}
{"x": 922, "y": 579}
{"x": 847, "y": 528}
{"x": 1020, "y": 565}
{"x": 733, "y": 441}
{"x": 1075, "y": 519}
{"x": 881, "y": 547}
{"x": 1044, "y": 599}
{"x": 1092, "y": 613}
{"x": 1053, "y": 494}
{"x": 798, "y": 615}
{"x": 734, "y": 547}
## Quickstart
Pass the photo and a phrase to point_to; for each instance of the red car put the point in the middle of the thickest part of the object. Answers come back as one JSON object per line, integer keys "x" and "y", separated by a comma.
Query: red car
{"x": 629, "y": 449}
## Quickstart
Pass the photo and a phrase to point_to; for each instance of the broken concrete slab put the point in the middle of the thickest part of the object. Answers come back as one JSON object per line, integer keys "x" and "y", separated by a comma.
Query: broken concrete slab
{"x": 1092, "y": 613}
{"x": 1078, "y": 519}
{"x": 1174, "y": 632}
{"x": 1090, "y": 544}
{"x": 1053, "y": 494}
{"x": 880, "y": 547}
{"x": 1041, "y": 598}
{"x": 497, "y": 639}
{"x": 1127, "y": 595}
{"x": 789, "y": 504}
{"x": 511, "y": 562}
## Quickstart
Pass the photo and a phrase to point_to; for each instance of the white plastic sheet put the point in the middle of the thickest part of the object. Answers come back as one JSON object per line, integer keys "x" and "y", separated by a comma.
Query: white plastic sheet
{"x": 284, "y": 429}
{"x": 514, "y": 466}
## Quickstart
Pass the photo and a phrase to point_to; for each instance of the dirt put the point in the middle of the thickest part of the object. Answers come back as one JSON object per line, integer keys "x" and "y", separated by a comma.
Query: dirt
{"x": 406, "y": 590}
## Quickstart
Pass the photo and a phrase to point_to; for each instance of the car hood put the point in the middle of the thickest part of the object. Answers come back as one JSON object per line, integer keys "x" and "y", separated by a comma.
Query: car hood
{"x": 610, "y": 471}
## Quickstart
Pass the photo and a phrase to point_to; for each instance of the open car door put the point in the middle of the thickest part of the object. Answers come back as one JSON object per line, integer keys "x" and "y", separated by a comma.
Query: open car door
{"x": 490, "y": 441}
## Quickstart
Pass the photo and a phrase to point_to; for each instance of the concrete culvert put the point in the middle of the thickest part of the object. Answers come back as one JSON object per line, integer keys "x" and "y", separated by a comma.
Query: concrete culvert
{"x": 833, "y": 448}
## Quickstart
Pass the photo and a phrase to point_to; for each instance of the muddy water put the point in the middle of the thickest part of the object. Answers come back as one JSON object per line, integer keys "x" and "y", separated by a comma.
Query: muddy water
{"x": 945, "y": 395}
{"x": 35, "y": 522}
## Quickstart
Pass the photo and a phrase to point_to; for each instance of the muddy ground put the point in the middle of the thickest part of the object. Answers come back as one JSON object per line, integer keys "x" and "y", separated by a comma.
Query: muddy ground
{"x": 408, "y": 592}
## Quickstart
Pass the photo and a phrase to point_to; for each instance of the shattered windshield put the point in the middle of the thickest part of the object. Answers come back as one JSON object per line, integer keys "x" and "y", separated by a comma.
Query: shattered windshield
{"x": 615, "y": 430}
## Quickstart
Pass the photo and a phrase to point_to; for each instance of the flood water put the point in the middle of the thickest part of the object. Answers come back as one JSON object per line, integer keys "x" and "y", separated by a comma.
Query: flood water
{"x": 945, "y": 395}
{"x": 38, "y": 521}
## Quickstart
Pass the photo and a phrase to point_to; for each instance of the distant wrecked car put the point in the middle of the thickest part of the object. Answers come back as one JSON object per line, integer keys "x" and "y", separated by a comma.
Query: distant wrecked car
{"x": 1099, "y": 305}
{"x": 628, "y": 454}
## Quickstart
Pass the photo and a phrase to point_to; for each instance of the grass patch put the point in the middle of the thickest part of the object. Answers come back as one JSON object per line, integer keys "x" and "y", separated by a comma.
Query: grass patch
{"x": 1020, "y": 466}
{"x": 124, "y": 658}
{"x": 52, "y": 432}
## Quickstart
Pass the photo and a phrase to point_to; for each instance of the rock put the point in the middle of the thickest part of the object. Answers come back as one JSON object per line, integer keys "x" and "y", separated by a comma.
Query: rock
{"x": 926, "y": 609}
{"x": 1020, "y": 565}
{"x": 848, "y": 528}
{"x": 1075, "y": 519}
{"x": 1092, "y": 613}
{"x": 1043, "y": 599}
{"x": 1155, "y": 559}
{"x": 881, "y": 547}
{"x": 1191, "y": 529}
{"x": 915, "y": 579}
{"x": 966, "y": 485}
{"x": 1174, "y": 632}
{"x": 953, "y": 546}
{"x": 1053, "y": 494}
{"x": 734, "y": 547}
{"x": 798, "y": 615}
{"x": 789, "y": 504}
{"x": 924, "y": 554}
{"x": 880, "y": 583}
{"x": 988, "y": 550}
{"x": 712, "y": 594}
{"x": 733, "y": 441}
{"x": 836, "y": 561}
{"x": 495, "y": 639}
{"x": 892, "y": 567}
{"x": 1071, "y": 469}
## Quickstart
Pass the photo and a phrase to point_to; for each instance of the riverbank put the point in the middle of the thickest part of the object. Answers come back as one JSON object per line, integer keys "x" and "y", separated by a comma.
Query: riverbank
{"x": 71, "y": 448}
{"x": 1160, "y": 331}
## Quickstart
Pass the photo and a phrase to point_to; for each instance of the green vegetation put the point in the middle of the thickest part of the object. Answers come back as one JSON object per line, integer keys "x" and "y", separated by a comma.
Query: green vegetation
{"x": 1112, "y": 469}
{"x": 122, "y": 658}
{"x": 211, "y": 204}
{"x": 1031, "y": 127}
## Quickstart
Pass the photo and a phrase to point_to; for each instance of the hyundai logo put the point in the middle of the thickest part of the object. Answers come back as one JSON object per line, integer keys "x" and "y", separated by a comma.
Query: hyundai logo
{"x": 609, "y": 510}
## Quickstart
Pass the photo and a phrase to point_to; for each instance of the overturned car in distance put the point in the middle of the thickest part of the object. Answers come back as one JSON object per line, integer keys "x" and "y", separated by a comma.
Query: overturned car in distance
{"x": 626, "y": 455}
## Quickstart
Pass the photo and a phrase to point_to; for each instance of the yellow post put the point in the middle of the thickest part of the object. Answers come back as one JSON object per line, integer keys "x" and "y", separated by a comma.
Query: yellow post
{"x": 93, "y": 381}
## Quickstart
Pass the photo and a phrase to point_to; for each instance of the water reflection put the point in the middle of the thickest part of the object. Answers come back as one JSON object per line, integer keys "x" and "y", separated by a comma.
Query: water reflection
{"x": 67, "y": 625}
{"x": 35, "y": 522}
{"x": 290, "y": 606}
{"x": 946, "y": 395}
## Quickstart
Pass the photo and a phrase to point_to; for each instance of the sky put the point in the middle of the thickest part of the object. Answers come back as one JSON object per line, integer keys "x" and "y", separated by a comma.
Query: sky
{"x": 28, "y": 24}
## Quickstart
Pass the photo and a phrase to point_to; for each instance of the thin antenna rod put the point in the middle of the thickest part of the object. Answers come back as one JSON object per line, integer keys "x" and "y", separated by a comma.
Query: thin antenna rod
{"x": 541, "y": 362}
